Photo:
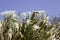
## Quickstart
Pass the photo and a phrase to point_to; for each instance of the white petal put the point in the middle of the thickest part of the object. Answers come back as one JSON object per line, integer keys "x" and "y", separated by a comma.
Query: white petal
{"x": 29, "y": 14}
{"x": 28, "y": 21}
{"x": 16, "y": 24}
{"x": 36, "y": 27}
{"x": 24, "y": 15}
{"x": 7, "y": 13}
{"x": 10, "y": 30}
{"x": 44, "y": 21}
{"x": 40, "y": 12}
{"x": 14, "y": 15}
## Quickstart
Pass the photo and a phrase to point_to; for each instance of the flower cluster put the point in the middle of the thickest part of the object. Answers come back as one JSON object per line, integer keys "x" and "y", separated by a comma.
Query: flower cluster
{"x": 35, "y": 25}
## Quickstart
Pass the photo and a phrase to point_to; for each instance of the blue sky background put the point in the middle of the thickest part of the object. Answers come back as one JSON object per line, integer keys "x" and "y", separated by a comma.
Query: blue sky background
{"x": 52, "y": 7}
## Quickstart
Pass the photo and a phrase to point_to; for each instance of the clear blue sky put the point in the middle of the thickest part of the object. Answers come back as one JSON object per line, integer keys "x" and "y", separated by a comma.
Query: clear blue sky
{"x": 52, "y": 7}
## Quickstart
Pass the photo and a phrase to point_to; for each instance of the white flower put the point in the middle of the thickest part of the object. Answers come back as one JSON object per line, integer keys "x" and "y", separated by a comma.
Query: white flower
{"x": 21, "y": 34}
{"x": 16, "y": 25}
{"x": 29, "y": 14}
{"x": 35, "y": 27}
{"x": 10, "y": 33}
{"x": 28, "y": 21}
{"x": 8, "y": 13}
{"x": 47, "y": 21}
{"x": 24, "y": 15}
{"x": 40, "y": 12}
{"x": 14, "y": 15}
{"x": 53, "y": 36}
{"x": 47, "y": 18}
{"x": 44, "y": 21}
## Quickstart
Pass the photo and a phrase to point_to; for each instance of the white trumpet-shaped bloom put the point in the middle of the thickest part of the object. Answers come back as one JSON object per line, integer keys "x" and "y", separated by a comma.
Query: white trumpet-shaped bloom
{"x": 29, "y": 14}
{"x": 42, "y": 11}
{"x": 16, "y": 25}
{"x": 10, "y": 33}
{"x": 24, "y": 15}
{"x": 44, "y": 21}
{"x": 9, "y": 13}
{"x": 35, "y": 27}
{"x": 14, "y": 15}
{"x": 28, "y": 21}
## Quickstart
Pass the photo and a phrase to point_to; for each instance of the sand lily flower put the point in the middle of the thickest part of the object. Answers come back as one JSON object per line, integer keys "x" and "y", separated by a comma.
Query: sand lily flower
{"x": 10, "y": 34}
{"x": 16, "y": 26}
{"x": 24, "y": 15}
{"x": 35, "y": 27}
{"x": 29, "y": 14}
{"x": 28, "y": 21}
{"x": 7, "y": 13}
